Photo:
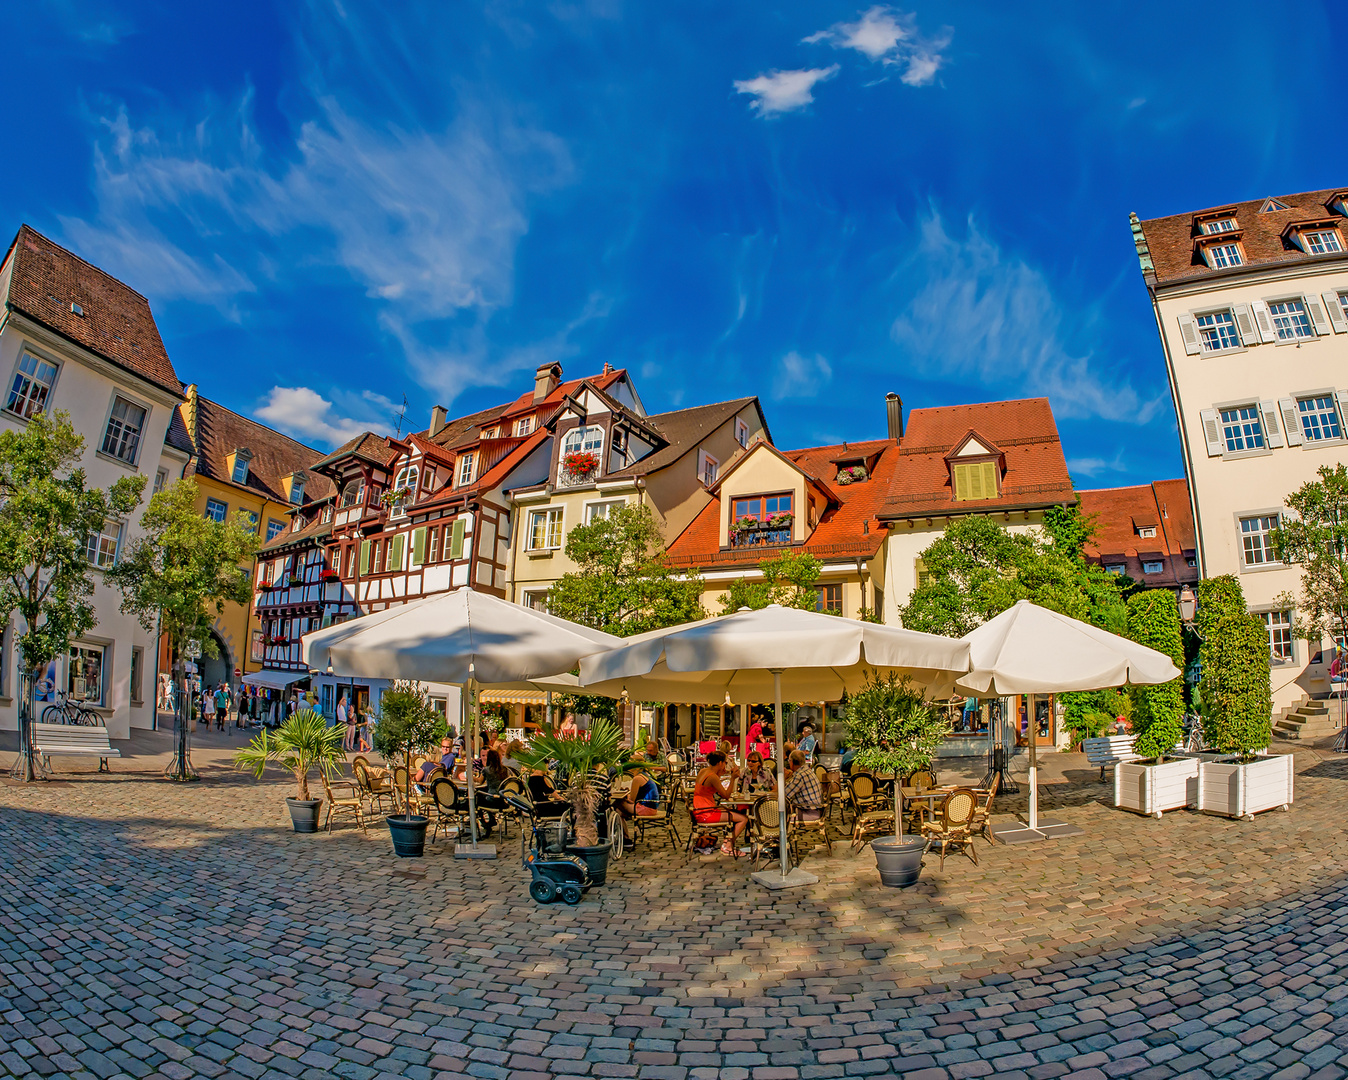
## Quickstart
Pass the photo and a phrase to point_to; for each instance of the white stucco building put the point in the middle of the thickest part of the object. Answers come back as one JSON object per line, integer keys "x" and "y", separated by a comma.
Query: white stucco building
{"x": 1250, "y": 301}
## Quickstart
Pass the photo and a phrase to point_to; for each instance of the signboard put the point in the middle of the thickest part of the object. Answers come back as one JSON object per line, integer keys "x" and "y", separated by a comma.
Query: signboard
{"x": 237, "y": 673}
{"x": 627, "y": 713}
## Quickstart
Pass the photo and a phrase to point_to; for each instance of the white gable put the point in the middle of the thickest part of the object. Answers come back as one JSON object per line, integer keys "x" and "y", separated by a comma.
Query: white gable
{"x": 974, "y": 448}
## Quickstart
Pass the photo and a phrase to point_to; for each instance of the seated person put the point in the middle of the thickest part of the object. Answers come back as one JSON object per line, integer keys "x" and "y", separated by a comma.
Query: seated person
{"x": 547, "y": 803}
{"x": 446, "y": 760}
{"x": 757, "y": 776}
{"x": 651, "y": 752}
{"x": 711, "y": 787}
{"x": 511, "y": 757}
{"x": 808, "y": 743}
{"x": 642, "y": 800}
{"x": 803, "y": 793}
{"x": 849, "y": 755}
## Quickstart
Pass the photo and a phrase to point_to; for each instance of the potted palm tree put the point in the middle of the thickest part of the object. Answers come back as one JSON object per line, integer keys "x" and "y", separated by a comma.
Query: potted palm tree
{"x": 408, "y": 724}
{"x": 894, "y": 730}
{"x": 577, "y": 757}
{"x": 304, "y": 742}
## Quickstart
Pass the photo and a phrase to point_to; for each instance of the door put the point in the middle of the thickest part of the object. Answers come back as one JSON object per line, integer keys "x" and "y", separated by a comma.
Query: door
{"x": 1036, "y": 710}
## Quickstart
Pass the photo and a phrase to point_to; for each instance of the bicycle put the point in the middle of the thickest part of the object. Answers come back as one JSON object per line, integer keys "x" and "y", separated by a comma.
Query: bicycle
{"x": 1193, "y": 734}
{"x": 66, "y": 711}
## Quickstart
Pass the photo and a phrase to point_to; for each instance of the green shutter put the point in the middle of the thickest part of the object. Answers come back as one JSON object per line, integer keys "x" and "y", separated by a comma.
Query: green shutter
{"x": 456, "y": 548}
{"x": 418, "y": 546}
{"x": 395, "y": 555}
{"x": 365, "y": 556}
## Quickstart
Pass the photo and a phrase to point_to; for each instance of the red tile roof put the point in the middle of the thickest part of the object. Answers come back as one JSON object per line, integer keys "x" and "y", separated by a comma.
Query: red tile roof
{"x": 1170, "y": 240}
{"x": 848, "y": 528}
{"x": 1120, "y": 512}
{"x": 116, "y": 323}
{"x": 1024, "y": 431}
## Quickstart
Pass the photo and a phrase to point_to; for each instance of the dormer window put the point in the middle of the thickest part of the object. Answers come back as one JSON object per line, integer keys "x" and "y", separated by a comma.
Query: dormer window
{"x": 1221, "y": 225}
{"x": 466, "y": 462}
{"x": 1321, "y": 242}
{"x": 1146, "y": 531}
{"x": 404, "y": 490}
{"x": 297, "y": 488}
{"x": 239, "y": 471}
{"x": 762, "y": 519}
{"x": 851, "y": 472}
{"x": 974, "y": 480}
{"x": 354, "y": 493}
{"x": 524, "y": 426}
{"x": 1272, "y": 206}
{"x": 1221, "y": 256}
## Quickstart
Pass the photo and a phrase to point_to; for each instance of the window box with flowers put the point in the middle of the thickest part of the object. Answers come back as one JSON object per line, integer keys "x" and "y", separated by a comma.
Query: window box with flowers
{"x": 394, "y": 496}
{"x": 277, "y": 639}
{"x": 782, "y": 520}
{"x": 294, "y": 581}
{"x": 853, "y": 474}
{"x": 582, "y": 463}
{"x": 329, "y": 577}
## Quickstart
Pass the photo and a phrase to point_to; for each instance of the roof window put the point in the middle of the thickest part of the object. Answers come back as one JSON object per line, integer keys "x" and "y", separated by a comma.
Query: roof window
{"x": 1273, "y": 205}
{"x": 1221, "y": 225}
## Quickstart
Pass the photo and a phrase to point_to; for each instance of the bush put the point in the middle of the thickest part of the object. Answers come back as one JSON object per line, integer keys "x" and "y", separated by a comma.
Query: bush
{"x": 1237, "y": 702}
{"x": 1087, "y": 714}
{"x": 1158, "y": 711}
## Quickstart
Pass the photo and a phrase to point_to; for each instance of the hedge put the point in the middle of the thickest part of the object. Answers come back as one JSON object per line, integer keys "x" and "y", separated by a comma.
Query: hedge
{"x": 1237, "y": 703}
{"x": 1158, "y": 711}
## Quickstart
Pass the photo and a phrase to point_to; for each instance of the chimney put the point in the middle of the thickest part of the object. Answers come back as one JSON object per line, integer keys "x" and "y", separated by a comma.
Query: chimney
{"x": 894, "y": 412}
{"x": 438, "y": 419}
{"x": 546, "y": 379}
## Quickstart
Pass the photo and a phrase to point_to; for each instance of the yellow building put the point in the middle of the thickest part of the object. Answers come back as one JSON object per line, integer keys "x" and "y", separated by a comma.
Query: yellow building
{"x": 239, "y": 464}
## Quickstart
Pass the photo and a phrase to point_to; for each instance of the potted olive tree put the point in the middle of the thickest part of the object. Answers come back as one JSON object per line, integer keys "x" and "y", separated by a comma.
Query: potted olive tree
{"x": 894, "y": 730}
{"x": 408, "y": 724}
{"x": 304, "y": 742}
{"x": 577, "y": 757}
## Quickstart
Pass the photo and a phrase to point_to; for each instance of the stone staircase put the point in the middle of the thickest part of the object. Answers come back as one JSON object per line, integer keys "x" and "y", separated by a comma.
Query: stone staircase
{"x": 1309, "y": 720}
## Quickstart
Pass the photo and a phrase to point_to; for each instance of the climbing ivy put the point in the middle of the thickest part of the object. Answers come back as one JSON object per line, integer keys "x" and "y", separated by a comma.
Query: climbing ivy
{"x": 1237, "y": 704}
{"x": 1158, "y": 711}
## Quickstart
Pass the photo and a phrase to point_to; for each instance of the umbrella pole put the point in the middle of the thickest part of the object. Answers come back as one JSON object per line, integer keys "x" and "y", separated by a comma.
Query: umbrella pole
{"x": 744, "y": 736}
{"x": 473, "y": 850}
{"x": 1032, "y": 728}
{"x": 784, "y": 878}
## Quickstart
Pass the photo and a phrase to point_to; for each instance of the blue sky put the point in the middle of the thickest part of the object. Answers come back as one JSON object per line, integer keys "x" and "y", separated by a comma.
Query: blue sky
{"x": 335, "y": 205}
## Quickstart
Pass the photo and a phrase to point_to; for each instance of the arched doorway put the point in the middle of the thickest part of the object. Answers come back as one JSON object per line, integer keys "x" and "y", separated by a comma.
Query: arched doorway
{"x": 219, "y": 668}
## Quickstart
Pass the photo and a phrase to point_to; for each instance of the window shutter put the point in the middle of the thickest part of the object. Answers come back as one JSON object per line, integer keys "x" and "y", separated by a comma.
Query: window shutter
{"x": 395, "y": 553}
{"x": 365, "y": 556}
{"x": 989, "y": 471}
{"x": 1245, "y": 324}
{"x": 1268, "y": 414}
{"x": 1189, "y": 332}
{"x": 418, "y": 546}
{"x": 456, "y": 546}
{"x": 1342, "y": 396}
{"x": 1317, "y": 314}
{"x": 1212, "y": 432}
{"x": 1261, "y": 320}
{"x": 960, "y": 475}
{"x": 1291, "y": 420}
{"x": 1335, "y": 311}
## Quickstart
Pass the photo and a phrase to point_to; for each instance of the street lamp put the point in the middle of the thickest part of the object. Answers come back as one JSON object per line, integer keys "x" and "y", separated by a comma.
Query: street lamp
{"x": 1188, "y": 606}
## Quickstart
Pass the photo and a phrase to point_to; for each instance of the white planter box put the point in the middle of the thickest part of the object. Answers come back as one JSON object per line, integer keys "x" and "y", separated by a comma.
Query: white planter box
{"x": 1244, "y": 790}
{"x": 1153, "y": 789}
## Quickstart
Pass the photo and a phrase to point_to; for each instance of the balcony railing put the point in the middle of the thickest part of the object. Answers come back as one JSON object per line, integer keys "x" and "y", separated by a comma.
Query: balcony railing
{"x": 761, "y": 537}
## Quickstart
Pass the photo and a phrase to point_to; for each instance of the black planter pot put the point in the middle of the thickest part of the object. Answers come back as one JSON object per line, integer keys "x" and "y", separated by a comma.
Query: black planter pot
{"x": 898, "y": 860}
{"x": 409, "y": 834}
{"x": 595, "y": 858}
{"x": 304, "y": 814}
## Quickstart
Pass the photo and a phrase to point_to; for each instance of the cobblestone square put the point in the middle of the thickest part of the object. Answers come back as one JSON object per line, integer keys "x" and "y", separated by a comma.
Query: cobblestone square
{"x": 158, "y": 930}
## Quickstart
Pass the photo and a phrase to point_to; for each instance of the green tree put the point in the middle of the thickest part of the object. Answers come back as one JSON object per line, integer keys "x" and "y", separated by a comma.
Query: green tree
{"x": 1315, "y": 537}
{"x": 183, "y": 572}
{"x": 1237, "y": 702}
{"x": 408, "y": 724}
{"x": 788, "y": 579}
{"x": 622, "y": 584}
{"x": 47, "y": 514}
{"x": 576, "y": 758}
{"x": 1158, "y": 711}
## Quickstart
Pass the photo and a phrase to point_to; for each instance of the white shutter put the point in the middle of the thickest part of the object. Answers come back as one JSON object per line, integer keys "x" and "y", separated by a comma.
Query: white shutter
{"x": 1261, "y": 320}
{"x": 1291, "y": 420}
{"x": 1317, "y": 314}
{"x": 1342, "y": 396}
{"x": 1335, "y": 311}
{"x": 1245, "y": 324}
{"x": 1268, "y": 415}
{"x": 1189, "y": 332}
{"x": 1212, "y": 432}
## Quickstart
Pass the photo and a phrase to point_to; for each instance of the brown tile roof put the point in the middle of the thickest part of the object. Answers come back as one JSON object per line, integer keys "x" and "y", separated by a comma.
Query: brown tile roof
{"x": 316, "y": 530}
{"x": 1024, "y": 431}
{"x": 683, "y": 429}
{"x": 849, "y": 527}
{"x": 116, "y": 324}
{"x": 221, "y": 431}
{"x": 1119, "y": 512}
{"x": 177, "y": 435}
{"x": 377, "y": 449}
{"x": 1170, "y": 240}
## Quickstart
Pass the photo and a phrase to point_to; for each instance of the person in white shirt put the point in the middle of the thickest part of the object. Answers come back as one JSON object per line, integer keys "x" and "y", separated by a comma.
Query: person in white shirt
{"x": 341, "y": 722}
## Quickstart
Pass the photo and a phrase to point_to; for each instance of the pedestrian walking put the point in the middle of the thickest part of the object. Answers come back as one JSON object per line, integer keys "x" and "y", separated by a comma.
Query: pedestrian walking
{"x": 207, "y": 708}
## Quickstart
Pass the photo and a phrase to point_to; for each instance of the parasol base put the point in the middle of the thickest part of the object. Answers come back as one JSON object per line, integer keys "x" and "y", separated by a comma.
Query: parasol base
{"x": 474, "y": 851}
{"x": 1016, "y": 832}
{"x": 774, "y": 879}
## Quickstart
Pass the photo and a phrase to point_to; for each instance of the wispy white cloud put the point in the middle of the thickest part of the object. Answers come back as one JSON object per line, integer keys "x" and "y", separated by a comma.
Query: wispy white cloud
{"x": 889, "y": 36}
{"x": 780, "y": 92}
{"x": 310, "y": 417}
{"x": 979, "y": 314}
{"x": 800, "y": 376}
{"x": 1094, "y": 466}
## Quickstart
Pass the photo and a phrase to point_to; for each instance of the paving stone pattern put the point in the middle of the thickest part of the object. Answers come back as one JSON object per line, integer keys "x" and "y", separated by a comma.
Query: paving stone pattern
{"x": 149, "y": 929}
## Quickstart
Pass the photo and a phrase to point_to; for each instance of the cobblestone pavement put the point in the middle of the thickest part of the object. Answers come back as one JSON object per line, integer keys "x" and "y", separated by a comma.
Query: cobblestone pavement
{"x": 154, "y": 929}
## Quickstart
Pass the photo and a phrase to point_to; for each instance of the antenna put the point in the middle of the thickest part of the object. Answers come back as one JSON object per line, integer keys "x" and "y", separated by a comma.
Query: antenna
{"x": 401, "y": 416}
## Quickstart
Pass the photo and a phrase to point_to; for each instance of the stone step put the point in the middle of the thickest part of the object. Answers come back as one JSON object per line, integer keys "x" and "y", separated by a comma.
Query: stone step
{"x": 1297, "y": 728}
{"x": 1314, "y": 708}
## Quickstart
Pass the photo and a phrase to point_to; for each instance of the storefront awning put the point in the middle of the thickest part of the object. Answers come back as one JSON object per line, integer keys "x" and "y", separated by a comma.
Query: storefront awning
{"x": 275, "y": 680}
{"x": 533, "y": 692}
{"x": 514, "y": 697}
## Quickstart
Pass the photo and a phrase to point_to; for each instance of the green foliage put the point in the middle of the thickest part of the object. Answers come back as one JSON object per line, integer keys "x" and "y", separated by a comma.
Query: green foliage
{"x": 977, "y": 569}
{"x": 1218, "y": 597}
{"x": 304, "y": 742}
{"x": 1088, "y": 713}
{"x": 605, "y": 708}
{"x": 622, "y": 585}
{"x": 577, "y": 757}
{"x": 788, "y": 579}
{"x": 47, "y": 512}
{"x": 408, "y": 724}
{"x": 1315, "y": 537}
{"x": 1158, "y": 711}
{"x": 1237, "y": 703}
{"x": 186, "y": 567}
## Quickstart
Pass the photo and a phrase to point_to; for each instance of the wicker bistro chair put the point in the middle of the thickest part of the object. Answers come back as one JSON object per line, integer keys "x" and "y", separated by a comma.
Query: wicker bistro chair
{"x": 375, "y": 790}
{"x": 418, "y": 803}
{"x": 954, "y": 825}
{"x": 716, "y": 829}
{"x": 448, "y": 807}
{"x": 797, "y": 827}
{"x": 764, "y": 828}
{"x": 864, "y": 797}
{"x": 349, "y": 802}
{"x": 922, "y": 780}
{"x": 870, "y": 823}
{"x": 982, "y": 821}
{"x": 663, "y": 818}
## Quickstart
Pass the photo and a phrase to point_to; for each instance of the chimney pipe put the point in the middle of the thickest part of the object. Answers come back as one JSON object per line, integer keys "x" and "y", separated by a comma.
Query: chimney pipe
{"x": 894, "y": 413}
{"x": 439, "y": 417}
{"x": 546, "y": 379}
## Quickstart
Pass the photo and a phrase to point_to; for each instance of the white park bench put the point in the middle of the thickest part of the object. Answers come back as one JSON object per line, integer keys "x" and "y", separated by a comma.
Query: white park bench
{"x": 74, "y": 740}
{"x": 1109, "y": 750}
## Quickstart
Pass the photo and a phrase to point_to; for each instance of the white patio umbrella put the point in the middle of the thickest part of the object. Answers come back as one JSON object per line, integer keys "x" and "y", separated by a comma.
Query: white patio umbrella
{"x": 464, "y": 638}
{"x": 1028, "y": 649}
{"x": 766, "y": 655}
